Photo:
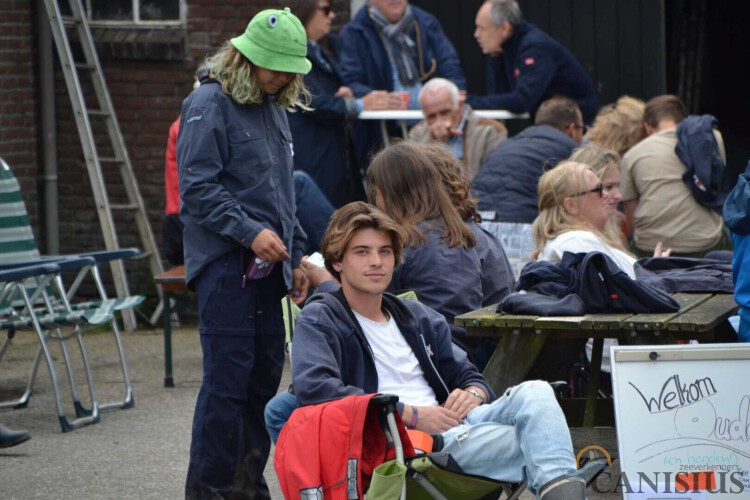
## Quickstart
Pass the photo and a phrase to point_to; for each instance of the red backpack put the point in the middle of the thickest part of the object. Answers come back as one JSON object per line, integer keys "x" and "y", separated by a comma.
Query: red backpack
{"x": 330, "y": 450}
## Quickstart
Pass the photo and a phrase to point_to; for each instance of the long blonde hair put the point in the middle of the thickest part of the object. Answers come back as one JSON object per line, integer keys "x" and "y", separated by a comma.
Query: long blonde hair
{"x": 563, "y": 181}
{"x": 235, "y": 73}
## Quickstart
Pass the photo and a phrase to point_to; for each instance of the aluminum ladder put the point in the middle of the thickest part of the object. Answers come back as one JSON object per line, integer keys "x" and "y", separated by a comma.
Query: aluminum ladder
{"x": 77, "y": 22}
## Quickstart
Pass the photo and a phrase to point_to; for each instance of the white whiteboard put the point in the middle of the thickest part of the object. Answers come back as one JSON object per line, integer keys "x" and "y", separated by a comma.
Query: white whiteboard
{"x": 683, "y": 409}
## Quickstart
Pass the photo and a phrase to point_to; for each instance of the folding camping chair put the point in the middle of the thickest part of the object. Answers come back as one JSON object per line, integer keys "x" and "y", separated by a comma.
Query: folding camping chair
{"x": 19, "y": 249}
{"x": 28, "y": 301}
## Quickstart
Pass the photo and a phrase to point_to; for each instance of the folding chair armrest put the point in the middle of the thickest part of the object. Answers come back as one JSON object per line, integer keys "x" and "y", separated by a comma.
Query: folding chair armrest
{"x": 21, "y": 273}
{"x": 66, "y": 262}
{"x": 109, "y": 255}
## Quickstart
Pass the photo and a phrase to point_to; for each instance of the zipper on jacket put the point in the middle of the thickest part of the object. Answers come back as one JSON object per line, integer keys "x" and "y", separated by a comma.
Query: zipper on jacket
{"x": 437, "y": 373}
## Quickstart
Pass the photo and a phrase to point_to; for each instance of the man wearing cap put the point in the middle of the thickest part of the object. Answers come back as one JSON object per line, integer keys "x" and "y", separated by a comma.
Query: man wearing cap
{"x": 243, "y": 244}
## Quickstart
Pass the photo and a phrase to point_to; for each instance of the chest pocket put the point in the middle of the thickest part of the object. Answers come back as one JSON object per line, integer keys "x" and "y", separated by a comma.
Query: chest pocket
{"x": 248, "y": 148}
{"x": 286, "y": 140}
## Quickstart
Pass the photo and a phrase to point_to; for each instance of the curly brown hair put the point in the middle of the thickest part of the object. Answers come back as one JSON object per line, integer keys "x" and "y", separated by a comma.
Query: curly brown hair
{"x": 455, "y": 180}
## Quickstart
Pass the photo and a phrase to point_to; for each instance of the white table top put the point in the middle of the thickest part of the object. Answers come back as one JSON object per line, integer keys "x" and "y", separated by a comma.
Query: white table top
{"x": 416, "y": 114}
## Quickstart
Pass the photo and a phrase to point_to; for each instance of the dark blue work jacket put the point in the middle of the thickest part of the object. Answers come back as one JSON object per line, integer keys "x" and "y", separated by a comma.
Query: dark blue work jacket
{"x": 235, "y": 175}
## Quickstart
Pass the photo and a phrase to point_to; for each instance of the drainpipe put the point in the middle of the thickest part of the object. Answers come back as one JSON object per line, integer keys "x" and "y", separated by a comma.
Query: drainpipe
{"x": 49, "y": 132}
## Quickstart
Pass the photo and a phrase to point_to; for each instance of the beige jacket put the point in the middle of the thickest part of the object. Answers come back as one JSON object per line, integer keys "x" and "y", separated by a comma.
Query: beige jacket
{"x": 481, "y": 135}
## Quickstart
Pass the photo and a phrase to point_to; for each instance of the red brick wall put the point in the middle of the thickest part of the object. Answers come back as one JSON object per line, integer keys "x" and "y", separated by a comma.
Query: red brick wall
{"x": 147, "y": 96}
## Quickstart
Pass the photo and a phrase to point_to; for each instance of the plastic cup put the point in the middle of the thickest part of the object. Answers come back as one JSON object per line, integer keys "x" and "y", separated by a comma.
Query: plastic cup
{"x": 405, "y": 97}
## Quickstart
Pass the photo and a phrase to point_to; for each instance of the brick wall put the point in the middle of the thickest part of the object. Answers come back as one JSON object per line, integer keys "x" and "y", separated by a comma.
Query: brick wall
{"x": 147, "y": 95}
{"x": 18, "y": 111}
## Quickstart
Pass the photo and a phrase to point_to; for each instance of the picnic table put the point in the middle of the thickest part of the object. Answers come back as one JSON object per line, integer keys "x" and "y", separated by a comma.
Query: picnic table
{"x": 174, "y": 289}
{"x": 521, "y": 338}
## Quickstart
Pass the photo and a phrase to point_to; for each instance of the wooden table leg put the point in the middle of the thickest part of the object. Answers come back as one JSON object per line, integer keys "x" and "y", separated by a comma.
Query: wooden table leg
{"x": 595, "y": 370}
{"x": 512, "y": 359}
{"x": 167, "y": 318}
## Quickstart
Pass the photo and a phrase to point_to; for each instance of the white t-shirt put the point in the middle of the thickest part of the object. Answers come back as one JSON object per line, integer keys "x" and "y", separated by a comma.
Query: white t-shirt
{"x": 584, "y": 242}
{"x": 398, "y": 369}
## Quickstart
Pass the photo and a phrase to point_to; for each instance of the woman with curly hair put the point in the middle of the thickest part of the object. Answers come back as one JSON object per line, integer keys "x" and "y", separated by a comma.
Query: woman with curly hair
{"x": 242, "y": 244}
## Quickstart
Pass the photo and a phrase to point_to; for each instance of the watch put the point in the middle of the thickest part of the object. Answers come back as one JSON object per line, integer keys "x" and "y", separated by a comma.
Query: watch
{"x": 476, "y": 393}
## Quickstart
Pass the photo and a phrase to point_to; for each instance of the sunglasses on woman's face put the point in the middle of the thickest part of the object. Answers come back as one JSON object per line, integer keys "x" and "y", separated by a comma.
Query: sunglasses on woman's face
{"x": 598, "y": 189}
{"x": 325, "y": 9}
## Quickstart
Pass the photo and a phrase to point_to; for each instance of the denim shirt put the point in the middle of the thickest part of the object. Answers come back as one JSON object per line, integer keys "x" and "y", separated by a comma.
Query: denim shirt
{"x": 235, "y": 173}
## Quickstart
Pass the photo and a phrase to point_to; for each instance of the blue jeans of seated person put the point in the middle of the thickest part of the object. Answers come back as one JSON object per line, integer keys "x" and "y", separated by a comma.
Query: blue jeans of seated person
{"x": 313, "y": 209}
{"x": 522, "y": 434}
{"x": 278, "y": 411}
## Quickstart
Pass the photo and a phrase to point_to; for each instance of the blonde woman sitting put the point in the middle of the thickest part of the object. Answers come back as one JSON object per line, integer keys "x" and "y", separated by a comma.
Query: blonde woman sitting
{"x": 573, "y": 217}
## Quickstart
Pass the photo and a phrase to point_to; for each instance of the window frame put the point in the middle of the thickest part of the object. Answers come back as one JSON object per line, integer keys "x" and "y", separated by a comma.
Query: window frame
{"x": 136, "y": 21}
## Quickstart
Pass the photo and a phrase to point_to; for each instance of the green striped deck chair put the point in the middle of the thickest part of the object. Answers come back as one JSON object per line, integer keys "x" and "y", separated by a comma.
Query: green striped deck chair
{"x": 20, "y": 310}
{"x": 18, "y": 247}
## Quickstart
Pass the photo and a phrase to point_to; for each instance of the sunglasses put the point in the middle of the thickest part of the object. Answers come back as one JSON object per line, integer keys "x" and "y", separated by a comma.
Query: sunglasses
{"x": 598, "y": 189}
{"x": 325, "y": 9}
{"x": 584, "y": 128}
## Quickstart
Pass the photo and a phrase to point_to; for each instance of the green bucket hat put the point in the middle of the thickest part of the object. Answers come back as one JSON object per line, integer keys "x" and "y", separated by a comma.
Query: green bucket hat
{"x": 275, "y": 40}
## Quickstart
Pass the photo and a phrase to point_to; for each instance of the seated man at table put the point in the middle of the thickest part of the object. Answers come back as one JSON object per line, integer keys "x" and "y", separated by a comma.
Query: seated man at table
{"x": 449, "y": 121}
{"x": 525, "y": 65}
{"x": 361, "y": 340}
{"x": 508, "y": 178}
{"x": 394, "y": 46}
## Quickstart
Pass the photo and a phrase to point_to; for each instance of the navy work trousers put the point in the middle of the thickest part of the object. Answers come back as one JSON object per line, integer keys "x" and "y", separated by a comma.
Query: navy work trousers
{"x": 242, "y": 338}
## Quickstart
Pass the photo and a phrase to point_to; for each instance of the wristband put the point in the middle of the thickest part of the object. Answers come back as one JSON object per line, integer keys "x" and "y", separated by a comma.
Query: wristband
{"x": 414, "y": 417}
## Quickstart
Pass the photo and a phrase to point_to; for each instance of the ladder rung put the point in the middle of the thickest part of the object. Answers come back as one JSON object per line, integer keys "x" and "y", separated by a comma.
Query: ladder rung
{"x": 109, "y": 159}
{"x": 98, "y": 112}
{"x": 123, "y": 206}
{"x": 144, "y": 255}
{"x": 89, "y": 67}
{"x": 70, "y": 21}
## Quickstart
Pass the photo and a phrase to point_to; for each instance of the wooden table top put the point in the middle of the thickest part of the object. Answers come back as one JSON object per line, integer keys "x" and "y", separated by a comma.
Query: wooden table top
{"x": 699, "y": 312}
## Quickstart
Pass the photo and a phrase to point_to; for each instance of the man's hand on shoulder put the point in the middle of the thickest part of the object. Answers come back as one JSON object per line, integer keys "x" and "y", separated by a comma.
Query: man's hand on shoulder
{"x": 462, "y": 402}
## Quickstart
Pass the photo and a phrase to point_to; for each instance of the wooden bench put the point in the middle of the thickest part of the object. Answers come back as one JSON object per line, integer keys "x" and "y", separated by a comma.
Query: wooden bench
{"x": 173, "y": 286}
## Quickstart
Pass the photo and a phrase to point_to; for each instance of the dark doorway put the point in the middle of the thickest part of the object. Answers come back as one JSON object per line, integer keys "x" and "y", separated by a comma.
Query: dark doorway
{"x": 708, "y": 67}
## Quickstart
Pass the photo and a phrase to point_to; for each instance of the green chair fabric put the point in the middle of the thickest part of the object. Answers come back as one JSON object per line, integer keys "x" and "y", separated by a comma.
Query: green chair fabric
{"x": 387, "y": 481}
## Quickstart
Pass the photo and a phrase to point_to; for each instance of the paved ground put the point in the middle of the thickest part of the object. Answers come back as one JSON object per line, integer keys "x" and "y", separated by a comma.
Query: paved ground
{"x": 140, "y": 453}
{"x": 137, "y": 453}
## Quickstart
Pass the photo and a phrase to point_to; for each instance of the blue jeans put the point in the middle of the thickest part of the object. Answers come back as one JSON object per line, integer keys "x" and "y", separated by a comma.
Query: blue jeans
{"x": 313, "y": 209}
{"x": 522, "y": 434}
{"x": 278, "y": 411}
